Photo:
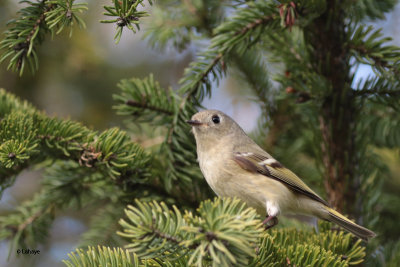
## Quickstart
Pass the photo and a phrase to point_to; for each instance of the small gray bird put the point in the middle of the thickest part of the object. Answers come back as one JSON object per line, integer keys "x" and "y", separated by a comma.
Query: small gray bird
{"x": 235, "y": 166}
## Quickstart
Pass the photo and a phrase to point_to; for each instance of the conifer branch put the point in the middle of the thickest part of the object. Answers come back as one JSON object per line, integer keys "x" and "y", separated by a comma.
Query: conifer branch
{"x": 224, "y": 231}
{"x": 236, "y": 32}
{"x": 206, "y": 72}
{"x": 28, "y": 31}
{"x": 256, "y": 23}
{"x": 369, "y": 47}
{"x": 152, "y": 228}
{"x": 172, "y": 22}
{"x": 195, "y": 84}
{"x": 32, "y": 218}
{"x": 364, "y": 92}
{"x": 315, "y": 64}
{"x": 103, "y": 256}
{"x": 369, "y": 10}
{"x": 377, "y": 61}
{"x": 144, "y": 105}
{"x": 65, "y": 184}
{"x": 146, "y": 100}
{"x": 379, "y": 89}
{"x": 31, "y": 137}
{"x": 246, "y": 24}
{"x": 125, "y": 13}
{"x": 253, "y": 71}
{"x": 163, "y": 105}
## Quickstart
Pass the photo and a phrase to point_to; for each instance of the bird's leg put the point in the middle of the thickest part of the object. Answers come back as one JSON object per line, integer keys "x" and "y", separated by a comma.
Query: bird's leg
{"x": 274, "y": 220}
{"x": 272, "y": 211}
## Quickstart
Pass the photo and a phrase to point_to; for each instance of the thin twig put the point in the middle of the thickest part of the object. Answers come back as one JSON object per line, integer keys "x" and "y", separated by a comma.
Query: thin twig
{"x": 254, "y": 24}
{"x": 375, "y": 92}
{"x": 24, "y": 46}
{"x": 144, "y": 105}
{"x": 363, "y": 51}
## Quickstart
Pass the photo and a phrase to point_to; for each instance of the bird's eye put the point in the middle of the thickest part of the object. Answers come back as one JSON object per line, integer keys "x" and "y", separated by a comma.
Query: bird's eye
{"x": 215, "y": 119}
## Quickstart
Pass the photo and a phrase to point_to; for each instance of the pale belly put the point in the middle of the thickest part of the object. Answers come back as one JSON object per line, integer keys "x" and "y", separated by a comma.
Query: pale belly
{"x": 266, "y": 195}
{"x": 254, "y": 189}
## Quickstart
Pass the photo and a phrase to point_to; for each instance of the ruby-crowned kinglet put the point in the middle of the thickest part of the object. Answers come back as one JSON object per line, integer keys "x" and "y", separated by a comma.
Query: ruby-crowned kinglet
{"x": 235, "y": 166}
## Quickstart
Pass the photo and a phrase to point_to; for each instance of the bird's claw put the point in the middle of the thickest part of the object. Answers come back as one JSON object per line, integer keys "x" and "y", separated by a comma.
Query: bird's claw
{"x": 273, "y": 219}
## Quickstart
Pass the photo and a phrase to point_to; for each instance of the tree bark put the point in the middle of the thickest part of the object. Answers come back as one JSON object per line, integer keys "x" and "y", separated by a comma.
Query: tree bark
{"x": 336, "y": 119}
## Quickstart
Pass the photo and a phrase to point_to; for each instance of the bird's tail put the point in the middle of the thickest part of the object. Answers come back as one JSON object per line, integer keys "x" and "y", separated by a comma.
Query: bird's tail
{"x": 350, "y": 226}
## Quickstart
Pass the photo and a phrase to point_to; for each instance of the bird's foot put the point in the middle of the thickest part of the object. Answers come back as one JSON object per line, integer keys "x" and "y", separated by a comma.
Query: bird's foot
{"x": 272, "y": 219}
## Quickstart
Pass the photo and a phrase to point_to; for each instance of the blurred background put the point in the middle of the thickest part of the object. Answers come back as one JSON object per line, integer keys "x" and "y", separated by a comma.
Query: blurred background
{"x": 77, "y": 78}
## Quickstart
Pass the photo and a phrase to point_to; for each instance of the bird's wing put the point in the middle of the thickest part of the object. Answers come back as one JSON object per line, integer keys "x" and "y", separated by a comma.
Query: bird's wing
{"x": 271, "y": 168}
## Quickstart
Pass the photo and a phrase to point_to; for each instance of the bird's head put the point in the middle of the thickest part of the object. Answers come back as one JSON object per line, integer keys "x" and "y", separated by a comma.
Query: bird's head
{"x": 213, "y": 126}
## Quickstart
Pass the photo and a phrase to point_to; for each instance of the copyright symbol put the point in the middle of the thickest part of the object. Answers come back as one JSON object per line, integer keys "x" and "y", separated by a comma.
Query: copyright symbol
{"x": 18, "y": 251}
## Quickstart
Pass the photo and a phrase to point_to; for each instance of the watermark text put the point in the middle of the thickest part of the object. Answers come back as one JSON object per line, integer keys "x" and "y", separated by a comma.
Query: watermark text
{"x": 27, "y": 251}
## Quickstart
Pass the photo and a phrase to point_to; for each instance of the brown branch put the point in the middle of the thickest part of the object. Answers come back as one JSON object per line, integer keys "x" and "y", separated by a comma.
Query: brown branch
{"x": 376, "y": 92}
{"x": 183, "y": 102}
{"x": 88, "y": 154}
{"x": 171, "y": 238}
{"x": 363, "y": 51}
{"x": 29, "y": 220}
{"x": 326, "y": 34}
{"x": 213, "y": 63}
{"x": 254, "y": 24}
{"x": 25, "y": 45}
{"x": 210, "y": 67}
{"x": 210, "y": 236}
{"x": 216, "y": 60}
{"x": 167, "y": 237}
{"x": 144, "y": 105}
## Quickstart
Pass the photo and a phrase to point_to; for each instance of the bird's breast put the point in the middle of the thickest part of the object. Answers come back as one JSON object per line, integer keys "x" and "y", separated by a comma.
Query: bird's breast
{"x": 213, "y": 166}
{"x": 210, "y": 170}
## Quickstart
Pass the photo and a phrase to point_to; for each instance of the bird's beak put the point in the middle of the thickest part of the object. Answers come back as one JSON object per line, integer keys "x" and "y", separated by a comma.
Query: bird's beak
{"x": 194, "y": 122}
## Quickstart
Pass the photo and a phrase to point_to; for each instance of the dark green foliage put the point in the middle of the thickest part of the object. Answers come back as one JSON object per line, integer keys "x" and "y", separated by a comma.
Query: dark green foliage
{"x": 83, "y": 166}
{"x": 392, "y": 251}
{"x": 251, "y": 70}
{"x": 19, "y": 139}
{"x": 178, "y": 23}
{"x": 102, "y": 256}
{"x": 383, "y": 124}
{"x": 29, "y": 30}
{"x": 10, "y": 102}
{"x": 126, "y": 14}
{"x": 167, "y": 27}
{"x": 370, "y": 9}
{"x": 64, "y": 180}
{"x": 63, "y": 13}
{"x": 146, "y": 100}
{"x": 228, "y": 239}
{"x": 166, "y": 109}
{"x": 295, "y": 58}
{"x": 225, "y": 233}
{"x": 337, "y": 244}
{"x": 240, "y": 32}
{"x": 369, "y": 47}
{"x": 26, "y": 135}
{"x": 153, "y": 230}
